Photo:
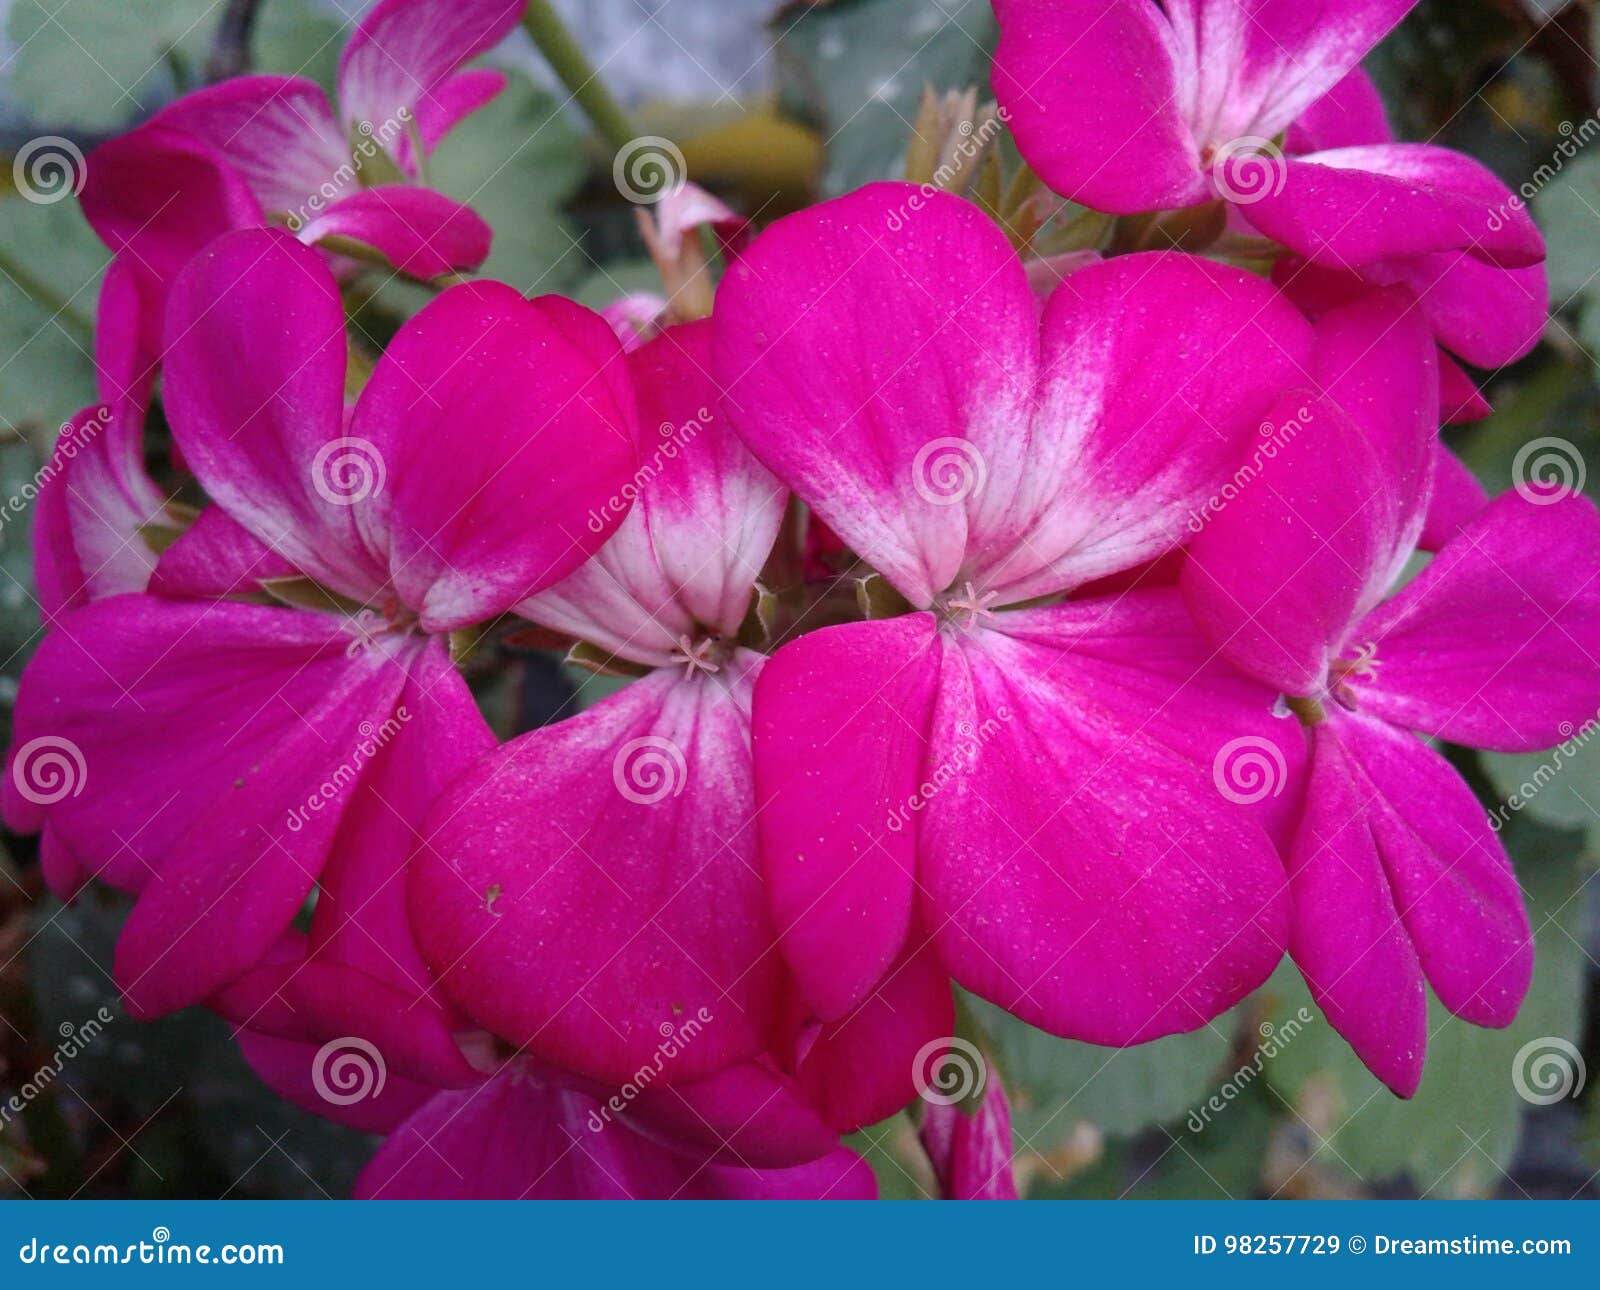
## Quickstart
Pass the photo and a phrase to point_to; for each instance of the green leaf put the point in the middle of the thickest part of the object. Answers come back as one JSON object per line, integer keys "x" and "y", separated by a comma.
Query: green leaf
{"x": 856, "y": 70}
{"x": 1458, "y": 1133}
{"x": 1560, "y": 788}
{"x": 1567, "y": 207}
{"x": 1057, "y": 1083}
{"x": 47, "y": 368}
{"x": 515, "y": 163}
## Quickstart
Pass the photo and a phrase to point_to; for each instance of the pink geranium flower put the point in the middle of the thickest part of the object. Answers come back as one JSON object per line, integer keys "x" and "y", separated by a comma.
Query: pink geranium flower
{"x": 1030, "y": 783}
{"x": 1129, "y": 107}
{"x": 223, "y": 742}
{"x": 270, "y": 149}
{"x": 970, "y": 1146}
{"x": 1397, "y": 881}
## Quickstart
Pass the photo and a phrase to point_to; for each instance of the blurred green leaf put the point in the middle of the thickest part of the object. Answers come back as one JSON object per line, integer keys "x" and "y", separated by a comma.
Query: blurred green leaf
{"x": 856, "y": 69}
{"x": 1567, "y": 207}
{"x": 1560, "y": 787}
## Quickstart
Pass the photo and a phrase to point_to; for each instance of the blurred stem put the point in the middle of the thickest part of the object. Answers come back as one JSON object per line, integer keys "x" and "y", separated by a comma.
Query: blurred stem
{"x": 230, "y": 47}
{"x": 43, "y": 295}
{"x": 577, "y": 73}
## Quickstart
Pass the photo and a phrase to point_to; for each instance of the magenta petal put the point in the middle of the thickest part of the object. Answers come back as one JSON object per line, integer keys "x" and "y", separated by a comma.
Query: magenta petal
{"x": 216, "y": 558}
{"x": 1347, "y": 116}
{"x": 1457, "y": 499}
{"x": 127, "y": 334}
{"x": 970, "y": 1149}
{"x": 423, "y": 233}
{"x": 1496, "y": 644}
{"x": 449, "y": 102}
{"x": 919, "y": 311}
{"x": 1460, "y": 400}
{"x": 840, "y": 720}
{"x": 503, "y": 424}
{"x": 590, "y": 891}
{"x": 1347, "y": 938}
{"x": 288, "y": 1067}
{"x": 1114, "y": 465}
{"x": 1486, "y": 315}
{"x": 864, "y": 1067}
{"x": 749, "y": 1114}
{"x": 257, "y": 409}
{"x": 1092, "y": 97}
{"x": 1082, "y": 868}
{"x": 406, "y": 49}
{"x": 277, "y": 132}
{"x": 1352, "y": 207}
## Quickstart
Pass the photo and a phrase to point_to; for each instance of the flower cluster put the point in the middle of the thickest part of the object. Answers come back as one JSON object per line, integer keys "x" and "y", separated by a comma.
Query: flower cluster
{"x": 1032, "y": 621}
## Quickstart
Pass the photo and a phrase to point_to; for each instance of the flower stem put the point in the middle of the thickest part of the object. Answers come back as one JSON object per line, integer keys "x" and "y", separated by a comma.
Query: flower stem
{"x": 577, "y": 73}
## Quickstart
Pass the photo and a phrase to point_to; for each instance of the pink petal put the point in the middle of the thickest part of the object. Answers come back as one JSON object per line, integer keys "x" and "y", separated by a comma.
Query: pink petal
{"x": 1250, "y": 67}
{"x": 920, "y": 313}
{"x": 449, "y": 103}
{"x": 127, "y": 334}
{"x": 1092, "y": 96}
{"x": 1347, "y": 938}
{"x": 970, "y": 1148}
{"x": 474, "y": 521}
{"x": 1082, "y": 869}
{"x": 276, "y": 132}
{"x": 1114, "y": 466}
{"x": 1397, "y": 874}
{"x": 405, "y": 50}
{"x": 1484, "y": 314}
{"x": 158, "y": 196}
{"x": 286, "y": 1066}
{"x": 1457, "y": 499}
{"x": 864, "y": 1067}
{"x": 422, "y": 233}
{"x": 1352, "y": 207}
{"x": 216, "y": 558}
{"x": 638, "y": 813}
{"x": 1496, "y": 644}
{"x": 256, "y": 408}
{"x": 840, "y": 723}
{"x": 685, "y": 561}
{"x": 1460, "y": 400}
{"x": 1347, "y": 116}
